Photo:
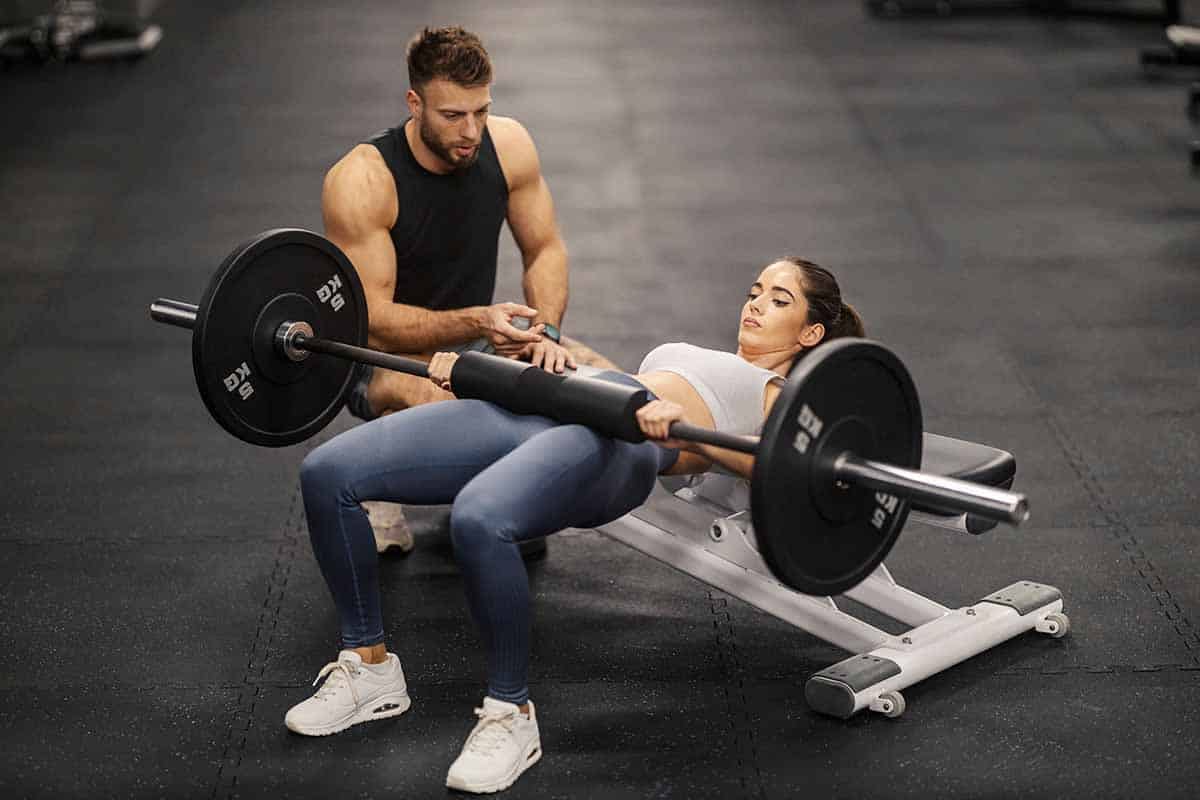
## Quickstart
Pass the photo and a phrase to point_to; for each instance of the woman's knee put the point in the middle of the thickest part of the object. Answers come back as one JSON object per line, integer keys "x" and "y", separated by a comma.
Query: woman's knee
{"x": 478, "y": 523}
{"x": 323, "y": 472}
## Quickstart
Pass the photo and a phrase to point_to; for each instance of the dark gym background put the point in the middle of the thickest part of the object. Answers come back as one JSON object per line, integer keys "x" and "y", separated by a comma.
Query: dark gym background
{"x": 1005, "y": 198}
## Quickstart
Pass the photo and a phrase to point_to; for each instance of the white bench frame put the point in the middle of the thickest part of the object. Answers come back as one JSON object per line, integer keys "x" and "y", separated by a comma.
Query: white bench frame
{"x": 701, "y": 527}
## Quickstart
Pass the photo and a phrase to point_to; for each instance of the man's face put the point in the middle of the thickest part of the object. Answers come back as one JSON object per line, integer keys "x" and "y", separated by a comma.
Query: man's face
{"x": 451, "y": 119}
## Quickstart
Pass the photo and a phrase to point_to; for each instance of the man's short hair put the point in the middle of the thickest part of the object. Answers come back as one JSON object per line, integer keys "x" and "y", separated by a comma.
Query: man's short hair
{"x": 452, "y": 54}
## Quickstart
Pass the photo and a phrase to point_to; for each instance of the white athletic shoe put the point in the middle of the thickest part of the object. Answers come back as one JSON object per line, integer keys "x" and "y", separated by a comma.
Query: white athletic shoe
{"x": 503, "y": 744}
{"x": 390, "y": 527}
{"x": 353, "y": 692}
{"x": 1185, "y": 37}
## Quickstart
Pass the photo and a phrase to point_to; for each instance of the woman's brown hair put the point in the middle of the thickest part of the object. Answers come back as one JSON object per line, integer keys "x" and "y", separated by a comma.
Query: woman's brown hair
{"x": 825, "y": 303}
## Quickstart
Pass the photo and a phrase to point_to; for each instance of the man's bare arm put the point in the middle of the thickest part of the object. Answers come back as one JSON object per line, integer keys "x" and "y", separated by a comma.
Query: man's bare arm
{"x": 532, "y": 222}
{"x": 359, "y": 206}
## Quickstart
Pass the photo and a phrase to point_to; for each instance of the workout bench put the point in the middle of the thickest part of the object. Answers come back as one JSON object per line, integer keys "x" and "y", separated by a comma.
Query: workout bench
{"x": 700, "y": 525}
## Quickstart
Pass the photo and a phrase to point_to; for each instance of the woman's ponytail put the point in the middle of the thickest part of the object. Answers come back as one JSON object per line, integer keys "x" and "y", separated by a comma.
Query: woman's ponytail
{"x": 825, "y": 303}
{"x": 849, "y": 323}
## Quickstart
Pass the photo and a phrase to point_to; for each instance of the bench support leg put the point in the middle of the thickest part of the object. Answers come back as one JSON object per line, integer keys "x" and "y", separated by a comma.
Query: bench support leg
{"x": 874, "y": 679}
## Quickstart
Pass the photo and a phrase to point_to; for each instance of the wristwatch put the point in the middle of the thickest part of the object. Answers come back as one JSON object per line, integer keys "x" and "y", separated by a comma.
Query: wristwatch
{"x": 552, "y": 332}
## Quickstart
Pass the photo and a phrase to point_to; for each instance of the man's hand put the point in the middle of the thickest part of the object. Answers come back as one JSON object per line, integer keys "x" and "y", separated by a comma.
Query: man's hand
{"x": 655, "y": 420}
{"x": 496, "y": 325}
{"x": 440, "y": 367}
{"x": 547, "y": 354}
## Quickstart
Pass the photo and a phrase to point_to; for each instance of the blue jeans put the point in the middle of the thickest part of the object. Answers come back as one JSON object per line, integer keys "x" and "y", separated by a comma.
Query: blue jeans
{"x": 510, "y": 478}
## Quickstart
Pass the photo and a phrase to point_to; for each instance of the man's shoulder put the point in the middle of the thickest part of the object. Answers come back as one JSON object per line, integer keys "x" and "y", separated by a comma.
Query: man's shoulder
{"x": 507, "y": 127}
{"x": 360, "y": 183}
{"x": 363, "y": 162}
{"x": 515, "y": 149}
{"x": 362, "y": 171}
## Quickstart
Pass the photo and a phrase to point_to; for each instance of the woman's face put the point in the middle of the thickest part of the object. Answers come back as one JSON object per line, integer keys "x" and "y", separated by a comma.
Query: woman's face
{"x": 775, "y": 315}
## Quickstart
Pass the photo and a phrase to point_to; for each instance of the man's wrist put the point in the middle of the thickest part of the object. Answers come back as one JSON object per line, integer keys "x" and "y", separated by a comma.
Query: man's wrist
{"x": 476, "y": 317}
{"x": 551, "y": 331}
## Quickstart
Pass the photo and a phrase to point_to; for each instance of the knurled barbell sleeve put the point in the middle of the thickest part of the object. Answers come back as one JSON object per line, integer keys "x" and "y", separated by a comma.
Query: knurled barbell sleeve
{"x": 938, "y": 491}
{"x": 173, "y": 312}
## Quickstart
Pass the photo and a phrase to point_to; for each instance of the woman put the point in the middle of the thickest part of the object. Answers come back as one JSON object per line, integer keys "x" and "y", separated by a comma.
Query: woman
{"x": 512, "y": 478}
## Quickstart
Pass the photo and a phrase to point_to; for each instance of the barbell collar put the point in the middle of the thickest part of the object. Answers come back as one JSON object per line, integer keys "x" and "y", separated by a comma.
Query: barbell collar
{"x": 938, "y": 491}
{"x": 285, "y": 339}
{"x": 174, "y": 312}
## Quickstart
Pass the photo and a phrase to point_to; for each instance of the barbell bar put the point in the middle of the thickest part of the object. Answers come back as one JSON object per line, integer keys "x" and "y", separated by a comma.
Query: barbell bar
{"x": 835, "y": 469}
{"x": 936, "y": 490}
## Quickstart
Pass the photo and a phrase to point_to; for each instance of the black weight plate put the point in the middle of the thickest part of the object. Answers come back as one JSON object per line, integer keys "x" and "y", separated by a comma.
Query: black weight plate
{"x": 818, "y": 536}
{"x": 252, "y": 389}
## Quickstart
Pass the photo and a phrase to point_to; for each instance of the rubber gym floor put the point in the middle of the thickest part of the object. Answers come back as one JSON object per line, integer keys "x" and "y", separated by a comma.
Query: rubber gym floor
{"x": 1005, "y": 199}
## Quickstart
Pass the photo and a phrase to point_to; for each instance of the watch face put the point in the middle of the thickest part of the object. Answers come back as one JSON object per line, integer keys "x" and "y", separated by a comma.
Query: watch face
{"x": 552, "y": 332}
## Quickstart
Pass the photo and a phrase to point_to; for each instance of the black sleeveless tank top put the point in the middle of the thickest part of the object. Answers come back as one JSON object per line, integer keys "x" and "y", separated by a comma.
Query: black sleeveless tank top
{"x": 448, "y": 229}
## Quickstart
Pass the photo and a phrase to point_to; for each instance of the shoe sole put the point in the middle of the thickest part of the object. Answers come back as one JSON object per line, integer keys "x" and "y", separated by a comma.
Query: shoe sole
{"x": 533, "y": 755}
{"x": 376, "y": 709}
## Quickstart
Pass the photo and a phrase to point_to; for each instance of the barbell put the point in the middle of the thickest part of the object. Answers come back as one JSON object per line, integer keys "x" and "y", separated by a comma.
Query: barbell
{"x": 835, "y": 469}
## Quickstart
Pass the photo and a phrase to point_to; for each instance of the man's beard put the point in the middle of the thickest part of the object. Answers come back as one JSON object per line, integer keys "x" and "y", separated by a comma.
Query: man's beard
{"x": 446, "y": 154}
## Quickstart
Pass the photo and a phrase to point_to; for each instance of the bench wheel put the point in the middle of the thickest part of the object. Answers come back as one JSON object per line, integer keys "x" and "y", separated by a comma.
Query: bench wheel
{"x": 1056, "y": 624}
{"x": 890, "y": 704}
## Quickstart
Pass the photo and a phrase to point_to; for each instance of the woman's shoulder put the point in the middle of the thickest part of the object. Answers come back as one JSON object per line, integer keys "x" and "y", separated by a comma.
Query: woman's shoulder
{"x": 666, "y": 350}
{"x": 694, "y": 350}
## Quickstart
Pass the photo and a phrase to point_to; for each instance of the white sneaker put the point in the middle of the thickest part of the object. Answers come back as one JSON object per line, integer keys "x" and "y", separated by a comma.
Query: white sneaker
{"x": 390, "y": 527}
{"x": 353, "y": 692}
{"x": 503, "y": 744}
{"x": 1185, "y": 37}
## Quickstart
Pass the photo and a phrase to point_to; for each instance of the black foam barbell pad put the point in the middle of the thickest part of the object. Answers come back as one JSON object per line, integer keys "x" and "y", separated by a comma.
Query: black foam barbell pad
{"x": 479, "y": 376}
{"x": 610, "y": 408}
{"x": 537, "y": 392}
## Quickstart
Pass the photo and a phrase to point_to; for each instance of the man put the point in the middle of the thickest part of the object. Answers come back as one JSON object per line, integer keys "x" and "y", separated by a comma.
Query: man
{"x": 418, "y": 210}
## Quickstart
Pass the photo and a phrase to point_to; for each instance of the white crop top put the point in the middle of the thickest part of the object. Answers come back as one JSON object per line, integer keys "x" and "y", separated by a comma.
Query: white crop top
{"x": 730, "y": 386}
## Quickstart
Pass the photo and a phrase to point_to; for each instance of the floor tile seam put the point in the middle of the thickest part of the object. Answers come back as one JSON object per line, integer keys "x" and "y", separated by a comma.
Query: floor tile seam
{"x": 236, "y": 733}
{"x": 1117, "y": 527}
{"x": 1120, "y": 531}
{"x": 737, "y": 709}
